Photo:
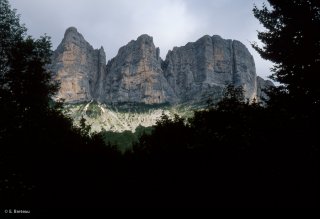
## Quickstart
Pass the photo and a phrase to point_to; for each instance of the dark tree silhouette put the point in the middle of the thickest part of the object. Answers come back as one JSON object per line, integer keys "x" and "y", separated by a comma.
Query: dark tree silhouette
{"x": 292, "y": 41}
{"x": 234, "y": 153}
{"x": 44, "y": 159}
{"x": 11, "y": 33}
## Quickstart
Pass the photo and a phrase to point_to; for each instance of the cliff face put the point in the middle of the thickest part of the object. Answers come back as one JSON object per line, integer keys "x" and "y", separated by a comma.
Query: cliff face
{"x": 262, "y": 86}
{"x": 203, "y": 68}
{"x": 135, "y": 75}
{"x": 78, "y": 67}
{"x": 190, "y": 74}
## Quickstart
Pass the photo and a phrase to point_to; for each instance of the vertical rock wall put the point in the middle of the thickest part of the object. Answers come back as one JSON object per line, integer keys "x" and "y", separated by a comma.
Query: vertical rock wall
{"x": 191, "y": 73}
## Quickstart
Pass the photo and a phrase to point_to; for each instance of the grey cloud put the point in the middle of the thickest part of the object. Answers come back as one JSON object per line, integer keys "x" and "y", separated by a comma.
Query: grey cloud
{"x": 113, "y": 23}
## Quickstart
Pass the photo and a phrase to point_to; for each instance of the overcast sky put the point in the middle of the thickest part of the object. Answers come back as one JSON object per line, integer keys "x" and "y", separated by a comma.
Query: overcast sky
{"x": 113, "y": 23}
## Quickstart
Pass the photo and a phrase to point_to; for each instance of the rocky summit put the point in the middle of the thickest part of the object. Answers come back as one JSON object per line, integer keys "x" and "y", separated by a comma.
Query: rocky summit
{"x": 201, "y": 70}
{"x": 135, "y": 75}
{"x": 192, "y": 73}
{"x": 78, "y": 67}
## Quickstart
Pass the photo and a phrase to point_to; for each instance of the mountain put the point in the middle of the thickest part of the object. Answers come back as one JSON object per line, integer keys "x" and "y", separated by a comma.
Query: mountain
{"x": 190, "y": 73}
{"x": 135, "y": 75}
{"x": 79, "y": 68}
{"x": 138, "y": 77}
{"x": 201, "y": 70}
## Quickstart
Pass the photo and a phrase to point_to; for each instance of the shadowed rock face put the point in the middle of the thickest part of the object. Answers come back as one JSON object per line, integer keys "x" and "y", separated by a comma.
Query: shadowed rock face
{"x": 262, "y": 86}
{"x": 203, "y": 68}
{"x": 78, "y": 67}
{"x": 191, "y": 73}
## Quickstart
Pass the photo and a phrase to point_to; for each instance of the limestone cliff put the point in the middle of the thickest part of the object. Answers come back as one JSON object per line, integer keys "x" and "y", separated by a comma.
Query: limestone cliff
{"x": 135, "y": 75}
{"x": 202, "y": 69}
{"x": 78, "y": 67}
{"x": 192, "y": 73}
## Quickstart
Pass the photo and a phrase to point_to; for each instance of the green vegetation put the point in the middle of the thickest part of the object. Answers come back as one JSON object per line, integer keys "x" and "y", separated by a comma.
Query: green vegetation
{"x": 125, "y": 140}
{"x": 93, "y": 110}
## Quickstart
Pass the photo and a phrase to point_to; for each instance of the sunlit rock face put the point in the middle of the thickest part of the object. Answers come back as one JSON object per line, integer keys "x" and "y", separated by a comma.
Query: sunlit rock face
{"x": 192, "y": 73}
{"x": 78, "y": 67}
{"x": 135, "y": 75}
{"x": 202, "y": 69}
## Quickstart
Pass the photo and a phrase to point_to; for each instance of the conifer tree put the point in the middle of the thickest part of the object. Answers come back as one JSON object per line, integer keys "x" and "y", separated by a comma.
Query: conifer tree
{"x": 292, "y": 42}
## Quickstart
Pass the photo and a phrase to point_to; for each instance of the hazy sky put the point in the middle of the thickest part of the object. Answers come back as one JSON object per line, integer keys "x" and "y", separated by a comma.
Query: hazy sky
{"x": 113, "y": 23}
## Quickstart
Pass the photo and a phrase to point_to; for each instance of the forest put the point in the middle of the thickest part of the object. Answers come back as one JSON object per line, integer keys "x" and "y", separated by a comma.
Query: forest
{"x": 232, "y": 154}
